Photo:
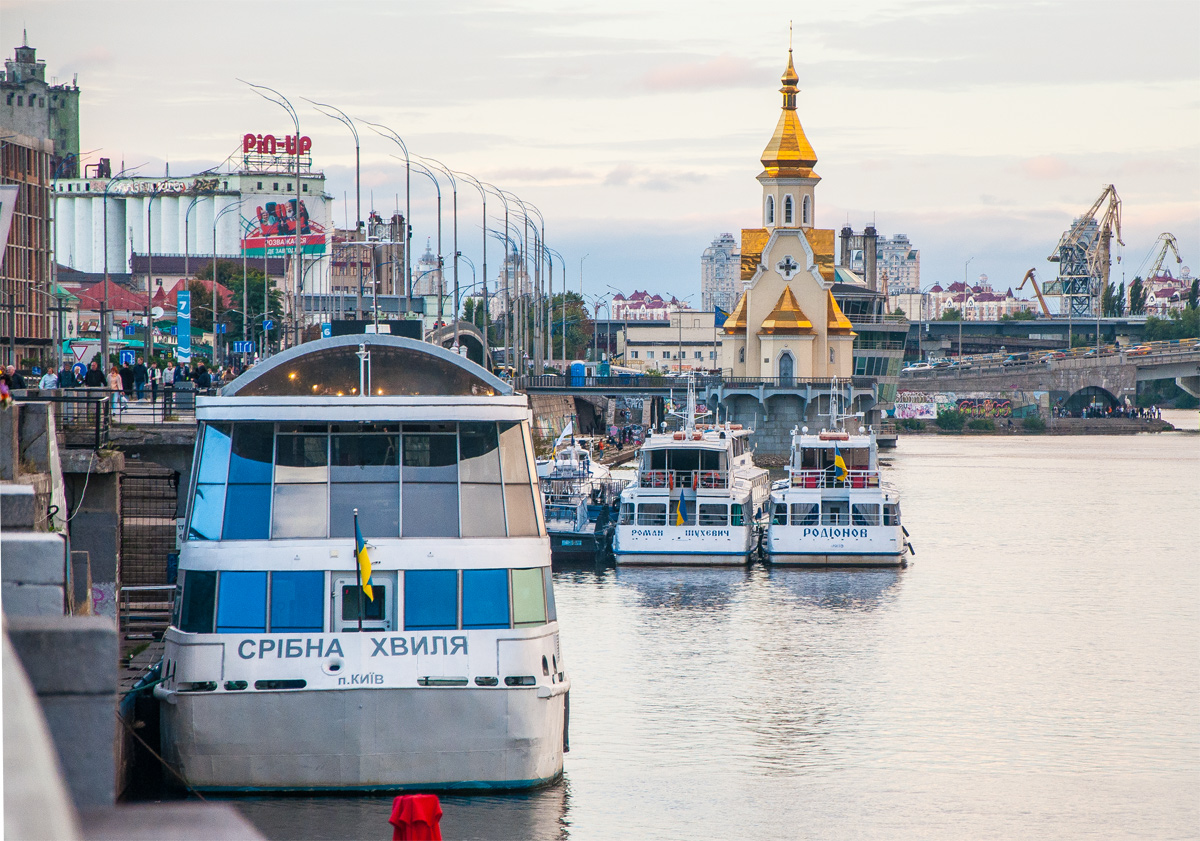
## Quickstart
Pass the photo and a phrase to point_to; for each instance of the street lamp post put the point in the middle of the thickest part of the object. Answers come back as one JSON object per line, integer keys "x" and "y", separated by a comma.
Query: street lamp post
{"x": 104, "y": 304}
{"x": 454, "y": 217}
{"x": 424, "y": 170}
{"x": 507, "y": 297}
{"x": 343, "y": 118}
{"x": 395, "y": 138}
{"x": 486, "y": 314}
{"x": 962, "y": 313}
{"x": 216, "y": 300}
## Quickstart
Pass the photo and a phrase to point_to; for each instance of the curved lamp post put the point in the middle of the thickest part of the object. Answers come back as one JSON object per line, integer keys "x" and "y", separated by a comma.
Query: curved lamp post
{"x": 483, "y": 198}
{"x": 384, "y": 131}
{"x": 344, "y": 118}
{"x": 449, "y": 173}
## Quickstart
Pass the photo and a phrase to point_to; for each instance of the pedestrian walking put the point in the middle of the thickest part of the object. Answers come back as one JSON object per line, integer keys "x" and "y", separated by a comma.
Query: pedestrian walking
{"x": 140, "y": 375}
{"x": 66, "y": 377}
{"x": 15, "y": 380}
{"x": 155, "y": 378}
{"x": 49, "y": 380}
{"x": 125, "y": 372}
{"x": 116, "y": 383}
{"x": 94, "y": 377}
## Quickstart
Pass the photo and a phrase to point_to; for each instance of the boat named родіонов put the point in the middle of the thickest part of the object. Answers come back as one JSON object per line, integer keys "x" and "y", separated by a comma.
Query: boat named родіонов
{"x": 456, "y": 679}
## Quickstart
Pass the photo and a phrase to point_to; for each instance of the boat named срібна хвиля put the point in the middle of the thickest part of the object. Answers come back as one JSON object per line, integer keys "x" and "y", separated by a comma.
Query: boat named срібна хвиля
{"x": 456, "y": 679}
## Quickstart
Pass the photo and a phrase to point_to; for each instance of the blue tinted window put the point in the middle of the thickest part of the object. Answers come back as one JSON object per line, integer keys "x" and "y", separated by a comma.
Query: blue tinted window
{"x": 199, "y": 591}
{"x": 247, "y": 512}
{"x": 551, "y": 608}
{"x": 208, "y": 506}
{"x": 297, "y": 601}
{"x": 214, "y": 454}
{"x": 252, "y": 453}
{"x": 430, "y": 599}
{"x": 242, "y": 603}
{"x": 485, "y": 598}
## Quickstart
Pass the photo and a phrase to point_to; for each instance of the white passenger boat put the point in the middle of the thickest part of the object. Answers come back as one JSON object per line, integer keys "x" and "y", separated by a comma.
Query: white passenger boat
{"x": 571, "y": 461}
{"x": 450, "y": 677}
{"x": 835, "y": 510}
{"x": 698, "y": 497}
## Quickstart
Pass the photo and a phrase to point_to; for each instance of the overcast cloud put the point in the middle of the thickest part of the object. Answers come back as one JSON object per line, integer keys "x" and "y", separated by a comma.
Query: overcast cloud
{"x": 979, "y": 129}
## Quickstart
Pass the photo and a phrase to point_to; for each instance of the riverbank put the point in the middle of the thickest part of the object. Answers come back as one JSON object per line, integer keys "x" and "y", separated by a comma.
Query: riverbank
{"x": 1058, "y": 426}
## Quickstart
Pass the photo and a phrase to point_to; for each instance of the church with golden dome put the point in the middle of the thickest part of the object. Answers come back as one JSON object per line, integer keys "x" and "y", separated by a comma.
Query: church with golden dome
{"x": 787, "y": 324}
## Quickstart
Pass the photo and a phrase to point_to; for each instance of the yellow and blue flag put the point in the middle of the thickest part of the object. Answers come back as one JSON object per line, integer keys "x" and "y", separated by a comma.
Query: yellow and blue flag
{"x": 840, "y": 472}
{"x": 681, "y": 516}
{"x": 364, "y": 561}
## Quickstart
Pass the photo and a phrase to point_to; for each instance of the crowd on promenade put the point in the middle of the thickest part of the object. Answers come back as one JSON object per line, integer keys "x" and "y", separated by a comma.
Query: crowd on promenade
{"x": 1096, "y": 411}
{"x": 129, "y": 383}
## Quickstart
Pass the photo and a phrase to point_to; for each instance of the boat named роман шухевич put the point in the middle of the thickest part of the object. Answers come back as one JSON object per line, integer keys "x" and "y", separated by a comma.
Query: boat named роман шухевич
{"x": 698, "y": 497}
{"x": 456, "y": 680}
{"x": 834, "y": 509}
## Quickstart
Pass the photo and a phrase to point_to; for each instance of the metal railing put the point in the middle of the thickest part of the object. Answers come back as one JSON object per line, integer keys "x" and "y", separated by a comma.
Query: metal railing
{"x": 827, "y": 479}
{"x": 82, "y": 416}
{"x": 645, "y": 381}
{"x": 700, "y": 479}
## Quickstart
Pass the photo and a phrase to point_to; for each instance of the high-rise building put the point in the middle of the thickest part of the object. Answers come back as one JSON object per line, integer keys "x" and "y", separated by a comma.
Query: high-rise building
{"x": 31, "y": 106}
{"x": 895, "y": 259}
{"x": 720, "y": 271}
{"x": 25, "y": 288}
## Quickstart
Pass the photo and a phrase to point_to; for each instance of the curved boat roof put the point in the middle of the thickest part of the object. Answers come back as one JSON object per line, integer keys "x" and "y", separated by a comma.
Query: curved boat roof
{"x": 399, "y": 367}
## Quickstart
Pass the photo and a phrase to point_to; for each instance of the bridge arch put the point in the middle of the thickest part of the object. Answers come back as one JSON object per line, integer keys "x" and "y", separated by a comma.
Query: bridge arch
{"x": 1089, "y": 396}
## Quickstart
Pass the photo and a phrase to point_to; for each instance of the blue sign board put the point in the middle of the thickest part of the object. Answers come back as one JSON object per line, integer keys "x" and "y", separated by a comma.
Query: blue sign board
{"x": 268, "y": 324}
{"x": 36, "y": 371}
{"x": 326, "y": 330}
{"x": 243, "y": 347}
{"x": 130, "y": 329}
{"x": 80, "y": 371}
{"x": 183, "y": 322}
{"x": 126, "y": 357}
{"x": 221, "y": 328}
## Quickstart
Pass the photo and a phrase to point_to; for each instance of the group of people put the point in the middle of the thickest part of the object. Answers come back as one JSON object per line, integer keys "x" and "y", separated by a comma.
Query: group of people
{"x": 1095, "y": 411}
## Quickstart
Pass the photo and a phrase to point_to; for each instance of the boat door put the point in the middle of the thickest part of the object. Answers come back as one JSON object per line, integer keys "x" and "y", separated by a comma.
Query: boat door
{"x": 378, "y": 614}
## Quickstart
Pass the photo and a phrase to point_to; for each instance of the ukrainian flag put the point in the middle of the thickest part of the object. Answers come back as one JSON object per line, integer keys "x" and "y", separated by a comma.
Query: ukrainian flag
{"x": 681, "y": 516}
{"x": 364, "y": 562}
{"x": 840, "y": 472}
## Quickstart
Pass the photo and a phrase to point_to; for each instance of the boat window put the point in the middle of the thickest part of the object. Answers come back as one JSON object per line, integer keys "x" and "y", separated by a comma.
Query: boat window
{"x": 430, "y": 599}
{"x": 252, "y": 452}
{"x": 652, "y": 514}
{"x": 779, "y": 518}
{"x": 551, "y": 608}
{"x": 891, "y": 514}
{"x": 864, "y": 514}
{"x": 529, "y": 597}
{"x": 521, "y": 510}
{"x": 430, "y": 491}
{"x": 834, "y": 514}
{"x": 480, "y": 448}
{"x": 242, "y": 603}
{"x": 626, "y": 518}
{"x": 684, "y": 461}
{"x": 208, "y": 507}
{"x": 714, "y": 515}
{"x": 199, "y": 599}
{"x": 378, "y": 505}
{"x": 482, "y": 513}
{"x": 372, "y": 609}
{"x": 658, "y": 460}
{"x": 682, "y": 513}
{"x": 364, "y": 458}
{"x": 512, "y": 453}
{"x": 364, "y": 472}
{"x": 300, "y": 511}
{"x": 302, "y": 458}
{"x": 805, "y": 513}
{"x": 736, "y": 517}
{"x": 485, "y": 598}
{"x": 710, "y": 460}
{"x": 214, "y": 454}
{"x": 247, "y": 512}
{"x": 809, "y": 460}
{"x": 297, "y": 601}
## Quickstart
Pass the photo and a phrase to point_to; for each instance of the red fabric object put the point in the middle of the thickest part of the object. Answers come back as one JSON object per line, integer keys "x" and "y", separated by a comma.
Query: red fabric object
{"x": 416, "y": 818}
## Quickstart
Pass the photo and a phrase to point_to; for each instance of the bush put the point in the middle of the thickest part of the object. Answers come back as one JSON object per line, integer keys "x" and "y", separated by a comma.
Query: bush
{"x": 1034, "y": 423}
{"x": 982, "y": 424}
{"x": 951, "y": 421}
{"x": 910, "y": 424}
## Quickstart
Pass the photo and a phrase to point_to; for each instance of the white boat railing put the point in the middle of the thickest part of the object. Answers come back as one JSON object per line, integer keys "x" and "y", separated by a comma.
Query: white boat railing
{"x": 701, "y": 479}
{"x": 828, "y": 479}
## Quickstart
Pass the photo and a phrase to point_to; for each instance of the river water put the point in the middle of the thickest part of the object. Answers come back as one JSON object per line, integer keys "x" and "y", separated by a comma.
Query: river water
{"x": 1034, "y": 673}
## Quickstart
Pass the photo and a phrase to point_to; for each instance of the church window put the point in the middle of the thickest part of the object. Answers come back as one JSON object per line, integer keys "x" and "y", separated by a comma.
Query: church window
{"x": 787, "y": 210}
{"x": 807, "y": 217}
{"x": 741, "y": 354}
{"x": 832, "y": 358}
{"x": 770, "y": 210}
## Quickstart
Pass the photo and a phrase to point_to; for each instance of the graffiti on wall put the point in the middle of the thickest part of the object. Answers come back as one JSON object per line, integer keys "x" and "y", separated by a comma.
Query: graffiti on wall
{"x": 985, "y": 407}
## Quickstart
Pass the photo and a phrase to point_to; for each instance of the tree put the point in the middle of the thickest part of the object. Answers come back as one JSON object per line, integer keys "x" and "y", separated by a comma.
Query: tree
{"x": 1137, "y": 297}
{"x": 951, "y": 314}
{"x": 1183, "y": 324}
{"x": 1019, "y": 315}
{"x": 1193, "y": 301}
{"x": 900, "y": 312}
{"x": 579, "y": 326}
{"x": 229, "y": 275}
{"x": 1108, "y": 300}
{"x": 1121, "y": 299}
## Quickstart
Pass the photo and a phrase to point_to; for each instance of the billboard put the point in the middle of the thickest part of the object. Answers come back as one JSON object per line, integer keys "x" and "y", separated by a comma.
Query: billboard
{"x": 272, "y": 232}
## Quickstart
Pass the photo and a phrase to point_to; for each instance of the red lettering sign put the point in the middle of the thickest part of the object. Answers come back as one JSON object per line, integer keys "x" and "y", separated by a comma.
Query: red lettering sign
{"x": 268, "y": 144}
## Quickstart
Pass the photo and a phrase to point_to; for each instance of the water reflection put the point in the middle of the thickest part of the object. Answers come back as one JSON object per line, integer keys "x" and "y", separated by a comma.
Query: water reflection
{"x": 539, "y": 815}
{"x": 837, "y": 589}
{"x": 684, "y": 588}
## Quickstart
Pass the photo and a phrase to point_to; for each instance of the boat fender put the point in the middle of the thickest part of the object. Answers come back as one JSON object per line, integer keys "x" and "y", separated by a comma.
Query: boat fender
{"x": 903, "y": 529}
{"x": 911, "y": 550}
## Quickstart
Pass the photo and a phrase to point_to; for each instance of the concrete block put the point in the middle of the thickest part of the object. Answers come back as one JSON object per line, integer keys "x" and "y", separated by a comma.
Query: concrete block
{"x": 32, "y": 599}
{"x": 10, "y": 450}
{"x": 170, "y": 822}
{"x": 84, "y": 730}
{"x": 67, "y": 655}
{"x": 36, "y": 431}
{"x": 33, "y": 557}
{"x": 18, "y": 509}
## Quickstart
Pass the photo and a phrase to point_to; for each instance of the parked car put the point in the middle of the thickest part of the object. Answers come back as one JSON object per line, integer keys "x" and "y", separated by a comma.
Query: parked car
{"x": 917, "y": 366}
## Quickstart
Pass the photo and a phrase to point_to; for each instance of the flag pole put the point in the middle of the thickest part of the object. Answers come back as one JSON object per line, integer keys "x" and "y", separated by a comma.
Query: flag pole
{"x": 358, "y": 572}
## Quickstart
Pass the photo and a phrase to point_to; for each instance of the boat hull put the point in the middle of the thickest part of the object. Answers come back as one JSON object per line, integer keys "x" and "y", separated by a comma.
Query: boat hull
{"x": 574, "y": 545}
{"x": 681, "y": 559}
{"x": 837, "y": 559}
{"x": 366, "y": 739}
{"x": 684, "y": 545}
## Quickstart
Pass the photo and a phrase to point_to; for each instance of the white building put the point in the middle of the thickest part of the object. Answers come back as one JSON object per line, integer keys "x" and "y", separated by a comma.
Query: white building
{"x": 720, "y": 272}
{"x": 897, "y": 258}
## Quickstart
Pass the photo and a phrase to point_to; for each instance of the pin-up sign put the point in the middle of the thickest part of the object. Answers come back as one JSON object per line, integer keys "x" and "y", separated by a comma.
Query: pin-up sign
{"x": 269, "y": 144}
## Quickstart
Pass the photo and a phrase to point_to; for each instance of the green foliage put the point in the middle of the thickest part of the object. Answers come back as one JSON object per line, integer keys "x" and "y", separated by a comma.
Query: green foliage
{"x": 951, "y": 420}
{"x": 653, "y": 372}
{"x": 910, "y": 424}
{"x": 1137, "y": 297}
{"x": 900, "y": 312}
{"x": 229, "y": 275}
{"x": 1179, "y": 325}
{"x": 951, "y": 314}
{"x": 579, "y": 326}
{"x": 1083, "y": 339}
{"x": 1193, "y": 300}
{"x": 1164, "y": 393}
{"x": 1021, "y": 315}
{"x": 1034, "y": 423}
{"x": 982, "y": 424}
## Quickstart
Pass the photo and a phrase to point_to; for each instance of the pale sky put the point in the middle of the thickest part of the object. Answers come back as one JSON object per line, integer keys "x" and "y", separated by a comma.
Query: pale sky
{"x": 980, "y": 129}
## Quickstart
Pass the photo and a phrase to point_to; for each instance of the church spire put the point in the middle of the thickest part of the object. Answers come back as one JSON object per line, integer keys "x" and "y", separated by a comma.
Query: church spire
{"x": 789, "y": 154}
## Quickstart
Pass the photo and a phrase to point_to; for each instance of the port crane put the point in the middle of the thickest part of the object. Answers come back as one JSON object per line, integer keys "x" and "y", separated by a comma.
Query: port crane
{"x": 1165, "y": 242}
{"x": 1084, "y": 255}
{"x": 1031, "y": 279}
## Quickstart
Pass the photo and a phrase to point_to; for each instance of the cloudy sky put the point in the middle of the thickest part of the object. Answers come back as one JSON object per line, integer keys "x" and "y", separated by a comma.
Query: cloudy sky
{"x": 979, "y": 129}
